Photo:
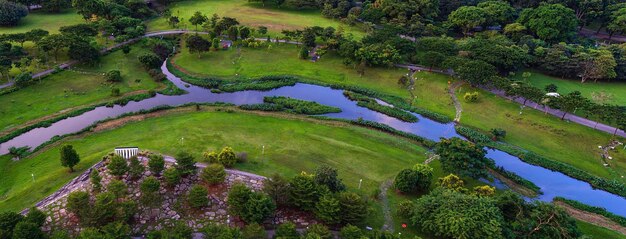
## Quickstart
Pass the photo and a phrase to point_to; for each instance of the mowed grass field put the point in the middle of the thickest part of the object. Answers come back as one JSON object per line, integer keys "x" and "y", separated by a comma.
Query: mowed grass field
{"x": 616, "y": 90}
{"x": 83, "y": 85}
{"x": 544, "y": 134}
{"x": 47, "y": 21}
{"x": 292, "y": 144}
{"x": 250, "y": 14}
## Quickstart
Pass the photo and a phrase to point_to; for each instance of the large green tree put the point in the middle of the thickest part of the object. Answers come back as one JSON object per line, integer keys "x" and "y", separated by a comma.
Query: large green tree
{"x": 463, "y": 157}
{"x": 550, "y": 22}
{"x": 69, "y": 157}
{"x": 467, "y": 17}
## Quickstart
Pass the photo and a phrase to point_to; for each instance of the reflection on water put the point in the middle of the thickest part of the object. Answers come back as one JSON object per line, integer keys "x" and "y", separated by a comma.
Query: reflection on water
{"x": 551, "y": 183}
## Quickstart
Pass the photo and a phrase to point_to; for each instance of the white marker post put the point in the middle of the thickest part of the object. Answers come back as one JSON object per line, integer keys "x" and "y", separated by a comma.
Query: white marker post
{"x": 33, "y": 175}
{"x": 360, "y": 181}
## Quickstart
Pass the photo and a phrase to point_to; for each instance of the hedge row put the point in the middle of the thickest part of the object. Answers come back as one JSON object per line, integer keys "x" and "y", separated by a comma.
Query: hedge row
{"x": 383, "y": 127}
{"x": 260, "y": 84}
{"x": 370, "y": 103}
{"x": 301, "y": 106}
{"x": 518, "y": 179}
{"x": 597, "y": 210}
{"x": 473, "y": 135}
{"x": 262, "y": 107}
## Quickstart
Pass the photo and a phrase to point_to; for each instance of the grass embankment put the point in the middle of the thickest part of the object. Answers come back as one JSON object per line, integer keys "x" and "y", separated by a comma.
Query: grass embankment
{"x": 614, "y": 90}
{"x": 251, "y": 14}
{"x": 598, "y": 231}
{"x": 543, "y": 134}
{"x": 47, "y": 21}
{"x": 83, "y": 85}
{"x": 292, "y": 144}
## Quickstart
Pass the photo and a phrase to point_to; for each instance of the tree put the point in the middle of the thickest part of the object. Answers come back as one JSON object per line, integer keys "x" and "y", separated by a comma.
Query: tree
{"x": 156, "y": 163}
{"x": 406, "y": 181}
{"x": 238, "y": 196}
{"x": 570, "y": 102}
{"x": 258, "y": 207}
{"x": 551, "y": 88}
{"x": 23, "y": 79}
{"x": 78, "y": 203}
{"x": 425, "y": 176}
{"x": 113, "y": 76}
{"x": 5, "y": 66}
{"x": 55, "y": 5}
{"x": 326, "y": 175}
{"x": 467, "y": 18}
{"x": 452, "y": 182}
{"x": 462, "y": 157}
{"x": 95, "y": 179}
{"x": 11, "y": 13}
{"x": 244, "y": 32}
{"x": 286, "y": 230}
{"x": 185, "y": 163}
{"x": 233, "y": 32}
{"x": 304, "y": 193}
{"x": 83, "y": 51}
{"x": 198, "y": 196}
{"x": 550, "y": 22}
{"x": 304, "y": 53}
{"x": 352, "y": 207}
{"x": 198, "y": 19}
{"x": 53, "y": 43}
{"x": 195, "y": 43}
{"x": 150, "y": 60}
{"x": 79, "y": 30}
{"x": 497, "y": 12}
{"x": 450, "y": 214}
{"x": 308, "y": 37}
{"x": 600, "y": 64}
{"x": 328, "y": 209}
{"x": 69, "y": 157}
{"x": 216, "y": 43}
{"x": 475, "y": 72}
{"x": 213, "y": 174}
{"x": 378, "y": 55}
{"x": 253, "y": 231}
{"x": 277, "y": 188}
{"x": 118, "y": 188}
{"x": 135, "y": 169}
{"x": 27, "y": 230}
{"x": 171, "y": 176}
{"x": 262, "y": 30}
{"x": 350, "y": 232}
{"x": 117, "y": 166}
{"x": 8, "y": 220}
{"x": 87, "y": 8}
{"x": 227, "y": 157}
{"x": 149, "y": 188}
{"x": 320, "y": 231}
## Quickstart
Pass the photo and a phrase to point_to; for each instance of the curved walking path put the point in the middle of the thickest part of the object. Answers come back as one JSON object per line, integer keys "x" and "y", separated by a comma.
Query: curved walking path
{"x": 457, "y": 105}
{"x": 384, "y": 187}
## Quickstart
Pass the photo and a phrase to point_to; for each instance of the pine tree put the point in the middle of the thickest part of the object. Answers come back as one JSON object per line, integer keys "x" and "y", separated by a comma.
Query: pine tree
{"x": 185, "y": 164}
{"x": 95, "y": 179}
{"x": 117, "y": 166}
{"x": 328, "y": 209}
{"x": 136, "y": 169}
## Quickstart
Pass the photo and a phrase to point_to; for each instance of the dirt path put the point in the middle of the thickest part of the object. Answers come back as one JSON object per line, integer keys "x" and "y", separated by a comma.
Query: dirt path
{"x": 457, "y": 105}
{"x": 384, "y": 187}
{"x": 592, "y": 218}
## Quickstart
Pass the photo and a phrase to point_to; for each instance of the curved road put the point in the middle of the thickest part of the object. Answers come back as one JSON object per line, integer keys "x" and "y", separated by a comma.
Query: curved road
{"x": 555, "y": 112}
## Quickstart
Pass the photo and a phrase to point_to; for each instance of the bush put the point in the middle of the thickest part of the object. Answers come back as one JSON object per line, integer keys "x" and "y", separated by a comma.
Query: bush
{"x": 498, "y": 133}
{"x": 104, "y": 210}
{"x": 136, "y": 169}
{"x": 328, "y": 209}
{"x": 115, "y": 92}
{"x": 406, "y": 181}
{"x": 227, "y": 157}
{"x": 238, "y": 196}
{"x": 117, "y": 166}
{"x": 113, "y": 76}
{"x": 300, "y": 106}
{"x": 304, "y": 192}
{"x": 171, "y": 176}
{"x": 23, "y": 79}
{"x": 118, "y": 188}
{"x": 320, "y": 230}
{"x": 220, "y": 232}
{"x": 185, "y": 164}
{"x": 11, "y": 13}
{"x": 286, "y": 230}
{"x": 78, "y": 203}
{"x": 242, "y": 157}
{"x": 36, "y": 216}
{"x": 213, "y": 174}
{"x": 350, "y": 232}
{"x": 8, "y": 220}
{"x": 156, "y": 163}
{"x": 210, "y": 157}
{"x": 95, "y": 179}
{"x": 258, "y": 207}
{"x": 405, "y": 209}
{"x": 471, "y": 97}
{"x": 150, "y": 191}
{"x": 425, "y": 176}
{"x": 27, "y": 230}
{"x": 198, "y": 197}
{"x": 353, "y": 208}
{"x": 277, "y": 188}
{"x": 253, "y": 231}
{"x": 473, "y": 135}
{"x": 150, "y": 60}
{"x": 326, "y": 175}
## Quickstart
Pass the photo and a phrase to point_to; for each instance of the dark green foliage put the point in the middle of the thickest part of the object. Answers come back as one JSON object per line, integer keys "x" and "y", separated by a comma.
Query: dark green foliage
{"x": 156, "y": 163}
{"x": 113, "y": 76}
{"x": 118, "y": 188}
{"x": 328, "y": 209}
{"x": 8, "y": 220}
{"x": 198, "y": 197}
{"x": 115, "y": 92}
{"x": 221, "y": 232}
{"x": 150, "y": 191}
{"x": 518, "y": 179}
{"x": 498, "y": 133}
{"x": 304, "y": 53}
{"x": 197, "y": 44}
{"x": 370, "y": 103}
{"x": 446, "y": 213}
{"x": 103, "y": 211}
{"x": 550, "y": 22}
{"x": 253, "y": 231}
{"x": 23, "y": 79}
{"x": 350, "y": 232}
{"x": 172, "y": 177}
{"x": 551, "y": 88}
{"x": 69, "y": 157}
{"x": 320, "y": 230}
{"x": 150, "y": 60}
{"x": 78, "y": 203}
{"x": 213, "y": 174}
{"x": 300, "y": 106}
{"x": 405, "y": 209}
{"x": 327, "y": 175}
{"x": 463, "y": 157}
{"x": 277, "y": 188}
{"x": 27, "y": 230}
{"x": 472, "y": 134}
{"x": 19, "y": 152}
{"x": 11, "y": 13}
{"x": 238, "y": 195}
{"x": 286, "y": 230}
{"x": 185, "y": 164}
{"x": 136, "y": 168}
{"x": 304, "y": 192}
{"x": 36, "y": 216}
{"x": 116, "y": 230}
{"x": 227, "y": 157}
{"x": 117, "y": 166}
{"x": 406, "y": 181}
{"x": 353, "y": 208}
{"x": 258, "y": 207}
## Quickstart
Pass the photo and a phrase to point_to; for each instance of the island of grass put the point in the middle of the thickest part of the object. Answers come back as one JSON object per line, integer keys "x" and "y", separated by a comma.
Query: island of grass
{"x": 50, "y": 22}
{"x": 290, "y": 105}
{"x": 251, "y": 14}
{"x": 71, "y": 89}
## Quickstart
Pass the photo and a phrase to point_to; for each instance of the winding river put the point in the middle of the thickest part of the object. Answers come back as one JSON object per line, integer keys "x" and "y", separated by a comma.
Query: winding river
{"x": 552, "y": 183}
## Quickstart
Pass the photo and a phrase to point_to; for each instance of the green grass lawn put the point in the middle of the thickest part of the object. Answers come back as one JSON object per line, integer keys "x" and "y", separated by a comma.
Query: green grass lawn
{"x": 84, "y": 85}
{"x": 598, "y": 232}
{"x": 615, "y": 91}
{"x": 47, "y": 21}
{"x": 251, "y": 14}
{"x": 292, "y": 145}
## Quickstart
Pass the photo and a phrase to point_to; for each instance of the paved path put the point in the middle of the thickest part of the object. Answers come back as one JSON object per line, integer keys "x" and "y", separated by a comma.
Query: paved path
{"x": 457, "y": 105}
{"x": 384, "y": 187}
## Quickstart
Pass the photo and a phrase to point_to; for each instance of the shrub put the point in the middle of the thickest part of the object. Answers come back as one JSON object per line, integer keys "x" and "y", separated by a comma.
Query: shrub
{"x": 213, "y": 174}
{"x": 471, "y": 97}
{"x": 406, "y": 181}
{"x": 425, "y": 176}
{"x": 405, "y": 209}
{"x": 473, "y": 135}
{"x": 156, "y": 163}
{"x": 350, "y": 232}
{"x": 277, "y": 188}
{"x": 227, "y": 157}
{"x": 320, "y": 230}
{"x": 150, "y": 60}
{"x": 463, "y": 157}
{"x": 304, "y": 192}
{"x": 484, "y": 190}
{"x": 498, "y": 133}
{"x": 220, "y": 232}
{"x": 210, "y": 157}
{"x": 95, "y": 179}
{"x": 180, "y": 230}
{"x": 198, "y": 196}
{"x": 8, "y": 220}
{"x": 258, "y": 207}
{"x": 36, "y": 216}
{"x": 353, "y": 208}
{"x": 117, "y": 166}
{"x": 150, "y": 191}
{"x": 113, "y": 76}
{"x": 300, "y": 106}
{"x": 116, "y": 230}
{"x": 286, "y": 230}
{"x": 27, "y": 230}
{"x": 136, "y": 169}
{"x": 304, "y": 53}
{"x": 185, "y": 163}
{"x": 452, "y": 182}
{"x": 238, "y": 196}
{"x": 328, "y": 209}
{"x": 78, "y": 203}
{"x": 253, "y": 231}
{"x": 171, "y": 176}
{"x": 104, "y": 210}
{"x": 11, "y": 13}
{"x": 118, "y": 188}
{"x": 326, "y": 175}
{"x": 23, "y": 79}
{"x": 115, "y": 92}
